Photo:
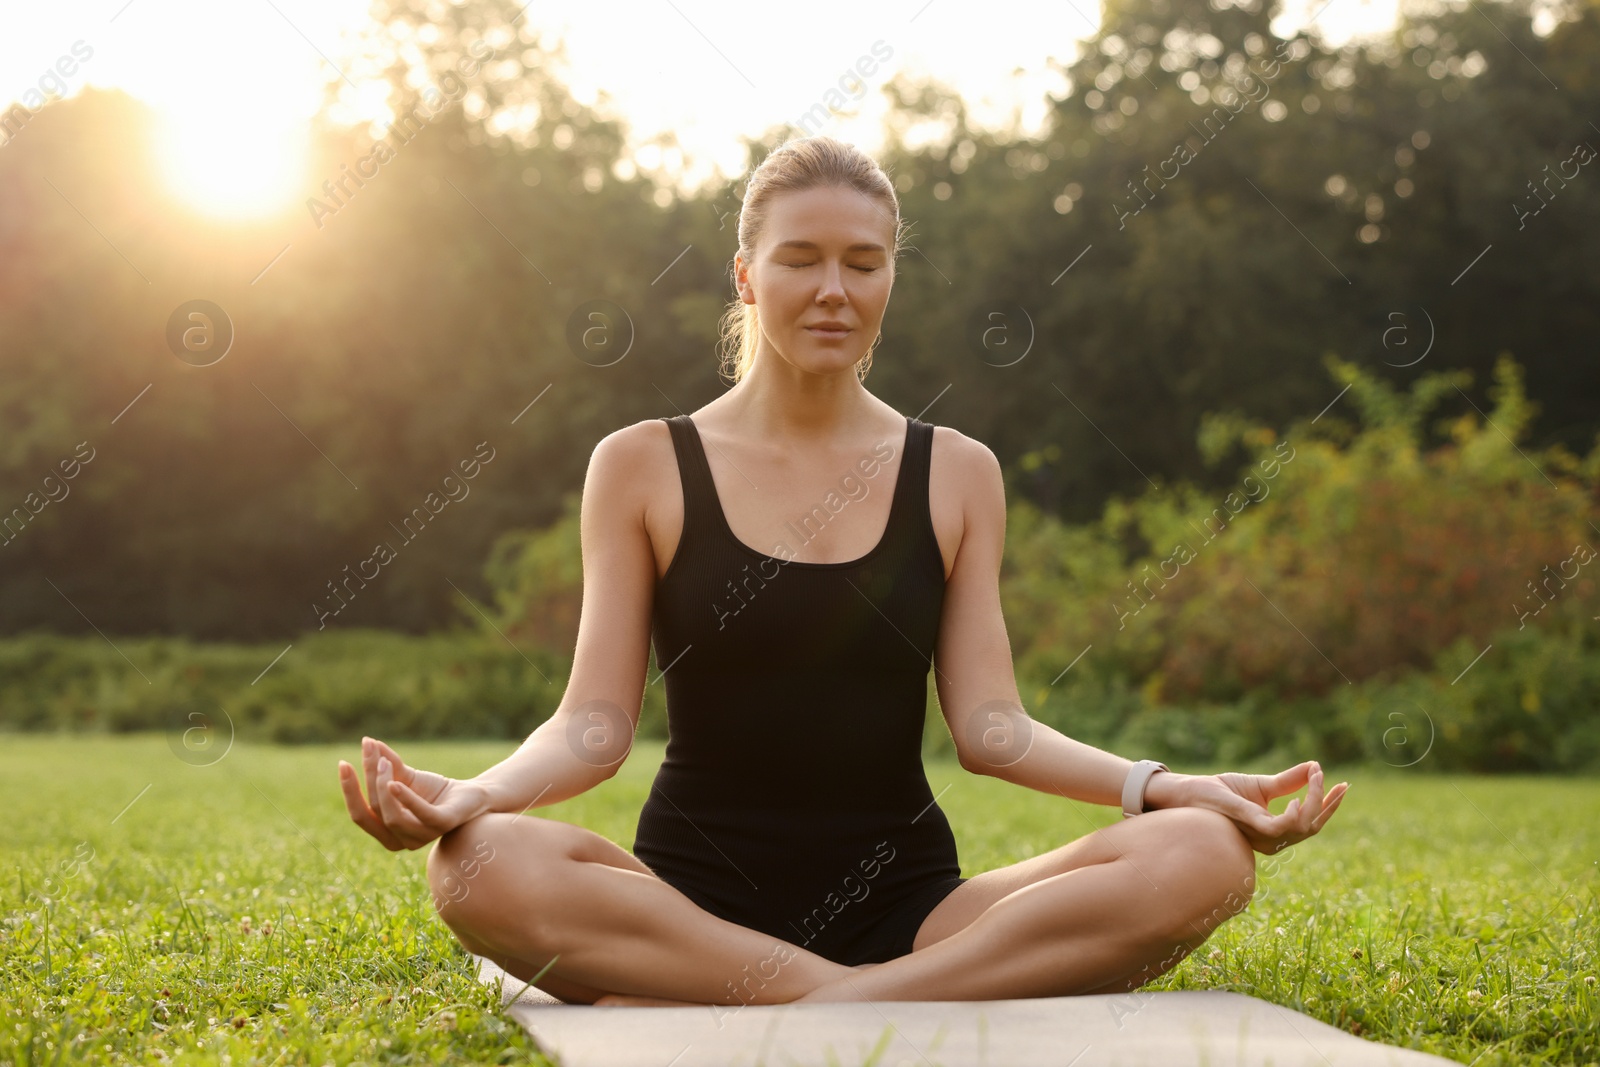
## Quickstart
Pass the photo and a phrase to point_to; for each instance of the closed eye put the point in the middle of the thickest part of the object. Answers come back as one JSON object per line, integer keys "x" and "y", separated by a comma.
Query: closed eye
{"x": 864, "y": 270}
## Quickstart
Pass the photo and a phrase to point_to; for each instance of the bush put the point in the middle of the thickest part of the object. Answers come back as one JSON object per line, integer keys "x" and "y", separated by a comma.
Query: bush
{"x": 330, "y": 685}
{"x": 1351, "y": 572}
{"x": 1358, "y": 594}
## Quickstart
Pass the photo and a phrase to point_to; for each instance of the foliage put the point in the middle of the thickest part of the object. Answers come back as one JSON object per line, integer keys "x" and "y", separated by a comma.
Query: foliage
{"x": 1350, "y": 568}
{"x": 537, "y": 577}
{"x": 1356, "y": 595}
{"x": 430, "y": 312}
{"x": 337, "y": 685}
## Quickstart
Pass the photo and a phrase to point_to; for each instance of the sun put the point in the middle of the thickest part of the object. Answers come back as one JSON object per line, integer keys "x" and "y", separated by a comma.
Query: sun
{"x": 235, "y": 89}
{"x": 237, "y": 158}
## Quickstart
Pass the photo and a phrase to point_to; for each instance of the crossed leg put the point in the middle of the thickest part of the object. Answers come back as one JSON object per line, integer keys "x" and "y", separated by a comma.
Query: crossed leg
{"x": 527, "y": 892}
{"x": 1105, "y": 913}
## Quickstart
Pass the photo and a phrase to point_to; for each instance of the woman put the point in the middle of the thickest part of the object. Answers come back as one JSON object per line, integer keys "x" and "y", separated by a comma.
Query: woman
{"x": 790, "y": 848}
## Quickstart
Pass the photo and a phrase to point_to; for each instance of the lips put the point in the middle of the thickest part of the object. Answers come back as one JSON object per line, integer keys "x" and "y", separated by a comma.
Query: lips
{"x": 829, "y": 332}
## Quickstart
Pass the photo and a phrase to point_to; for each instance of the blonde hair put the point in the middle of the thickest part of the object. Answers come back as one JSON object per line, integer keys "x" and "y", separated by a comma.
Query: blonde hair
{"x": 795, "y": 165}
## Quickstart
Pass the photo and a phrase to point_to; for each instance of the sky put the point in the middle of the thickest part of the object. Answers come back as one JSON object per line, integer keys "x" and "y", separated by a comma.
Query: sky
{"x": 236, "y": 80}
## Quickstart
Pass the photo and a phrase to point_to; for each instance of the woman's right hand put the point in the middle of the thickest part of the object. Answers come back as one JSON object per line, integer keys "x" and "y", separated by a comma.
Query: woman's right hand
{"x": 405, "y": 808}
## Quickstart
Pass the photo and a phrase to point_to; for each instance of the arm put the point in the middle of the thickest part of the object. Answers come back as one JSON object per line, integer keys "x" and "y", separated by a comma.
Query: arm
{"x": 994, "y": 736}
{"x": 974, "y": 677}
{"x": 587, "y": 737}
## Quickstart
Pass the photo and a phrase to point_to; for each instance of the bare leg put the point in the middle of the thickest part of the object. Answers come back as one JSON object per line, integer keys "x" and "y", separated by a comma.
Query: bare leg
{"x": 522, "y": 891}
{"x": 1143, "y": 893}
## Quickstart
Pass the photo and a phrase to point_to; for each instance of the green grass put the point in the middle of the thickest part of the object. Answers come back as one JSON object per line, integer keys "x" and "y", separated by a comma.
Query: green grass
{"x": 1454, "y": 915}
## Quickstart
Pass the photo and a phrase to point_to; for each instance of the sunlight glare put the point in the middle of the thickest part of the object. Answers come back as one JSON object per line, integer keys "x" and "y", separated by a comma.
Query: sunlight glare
{"x": 234, "y": 159}
{"x": 234, "y": 88}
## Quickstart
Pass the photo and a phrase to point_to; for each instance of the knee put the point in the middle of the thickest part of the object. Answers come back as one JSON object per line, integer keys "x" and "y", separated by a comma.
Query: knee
{"x": 1214, "y": 866}
{"x": 457, "y": 863}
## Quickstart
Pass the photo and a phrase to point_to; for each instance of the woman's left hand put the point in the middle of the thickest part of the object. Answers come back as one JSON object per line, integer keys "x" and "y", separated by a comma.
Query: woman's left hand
{"x": 1244, "y": 798}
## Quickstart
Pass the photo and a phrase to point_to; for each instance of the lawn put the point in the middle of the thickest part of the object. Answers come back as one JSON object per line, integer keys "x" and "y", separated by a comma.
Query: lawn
{"x": 160, "y": 911}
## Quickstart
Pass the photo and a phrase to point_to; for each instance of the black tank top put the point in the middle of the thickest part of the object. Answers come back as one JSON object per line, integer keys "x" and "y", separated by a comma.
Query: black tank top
{"x": 792, "y": 797}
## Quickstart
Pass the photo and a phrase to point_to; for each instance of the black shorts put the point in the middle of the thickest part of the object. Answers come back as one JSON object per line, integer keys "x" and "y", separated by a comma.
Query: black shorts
{"x": 893, "y": 936}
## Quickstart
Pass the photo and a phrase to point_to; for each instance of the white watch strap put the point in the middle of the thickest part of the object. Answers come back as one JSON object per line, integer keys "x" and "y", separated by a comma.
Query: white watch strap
{"x": 1133, "y": 788}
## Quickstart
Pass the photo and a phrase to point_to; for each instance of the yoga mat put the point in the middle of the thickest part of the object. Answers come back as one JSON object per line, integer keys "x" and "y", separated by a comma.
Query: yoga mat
{"x": 1127, "y": 1030}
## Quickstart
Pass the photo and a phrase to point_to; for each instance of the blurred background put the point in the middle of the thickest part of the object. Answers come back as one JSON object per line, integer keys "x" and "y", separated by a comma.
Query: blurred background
{"x": 1281, "y": 319}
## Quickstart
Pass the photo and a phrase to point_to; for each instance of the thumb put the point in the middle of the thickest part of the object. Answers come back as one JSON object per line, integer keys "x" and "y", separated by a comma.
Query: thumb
{"x": 397, "y": 766}
{"x": 1291, "y": 780}
{"x": 1242, "y": 811}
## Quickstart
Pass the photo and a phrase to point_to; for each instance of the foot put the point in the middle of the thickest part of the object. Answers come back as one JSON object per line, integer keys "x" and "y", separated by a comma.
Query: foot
{"x": 627, "y": 1000}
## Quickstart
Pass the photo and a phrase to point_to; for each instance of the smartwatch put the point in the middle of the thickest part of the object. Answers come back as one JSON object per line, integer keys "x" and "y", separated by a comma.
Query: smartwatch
{"x": 1133, "y": 789}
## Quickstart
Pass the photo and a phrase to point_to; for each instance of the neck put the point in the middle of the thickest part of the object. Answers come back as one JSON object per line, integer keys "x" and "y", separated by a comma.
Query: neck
{"x": 780, "y": 402}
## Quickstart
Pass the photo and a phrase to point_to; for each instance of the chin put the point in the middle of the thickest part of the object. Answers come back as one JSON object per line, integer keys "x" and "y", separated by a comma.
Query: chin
{"x": 835, "y": 363}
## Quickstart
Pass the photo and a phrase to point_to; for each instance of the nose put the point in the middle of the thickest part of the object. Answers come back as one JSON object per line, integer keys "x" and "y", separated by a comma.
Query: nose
{"x": 831, "y": 289}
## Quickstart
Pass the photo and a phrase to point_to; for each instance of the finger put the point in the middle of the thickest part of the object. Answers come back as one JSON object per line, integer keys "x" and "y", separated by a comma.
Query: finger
{"x": 425, "y": 817}
{"x": 360, "y": 813}
{"x": 389, "y": 808}
{"x": 400, "y": 822}
{"x": 349, "y": 786}
{"x": 405, "y": 823}
{"x": 1313, "y": 804}
{"x": 1334, "y": 797}
{"x": 397, "y": 766}
{"x": 1295, "y": 817}
{"x": 1330, "y": 805}
{"x": 1285, "y": 782}
{"x": 1244, "y": 812}
{"x": 369, "y": 764}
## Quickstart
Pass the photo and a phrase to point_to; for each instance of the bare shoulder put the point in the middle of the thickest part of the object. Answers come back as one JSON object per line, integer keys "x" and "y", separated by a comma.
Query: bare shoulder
{"x": 633, "y": 472}
{"x": 966, "y": 491}
{"x": 630, "y": 460}
{"x": 634, "y": 449}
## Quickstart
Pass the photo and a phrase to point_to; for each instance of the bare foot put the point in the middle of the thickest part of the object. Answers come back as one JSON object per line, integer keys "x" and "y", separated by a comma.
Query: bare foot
{"x": 628, "y": 1000}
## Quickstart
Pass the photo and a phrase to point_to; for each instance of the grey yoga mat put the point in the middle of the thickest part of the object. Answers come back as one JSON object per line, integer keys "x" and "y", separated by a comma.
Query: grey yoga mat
{"x": 1165, "y": 1029}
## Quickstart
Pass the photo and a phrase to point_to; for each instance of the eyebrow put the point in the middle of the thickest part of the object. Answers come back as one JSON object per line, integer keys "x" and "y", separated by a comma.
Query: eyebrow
{"x": 860, "y": 246}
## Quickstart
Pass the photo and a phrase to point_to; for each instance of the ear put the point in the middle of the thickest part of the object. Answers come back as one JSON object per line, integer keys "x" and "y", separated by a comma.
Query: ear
{"x": 741, "y": 271}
